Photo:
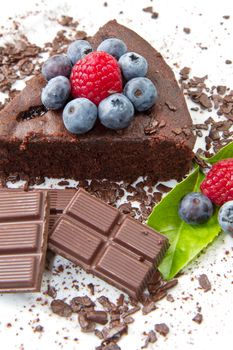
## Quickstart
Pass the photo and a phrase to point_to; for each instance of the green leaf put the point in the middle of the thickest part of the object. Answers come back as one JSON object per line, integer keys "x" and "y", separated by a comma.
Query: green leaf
{"x": 225, "y": 152}
{"x": 186, "y": 241}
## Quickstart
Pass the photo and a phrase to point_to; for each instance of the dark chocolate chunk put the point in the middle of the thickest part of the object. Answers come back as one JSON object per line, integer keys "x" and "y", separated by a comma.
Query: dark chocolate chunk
{"x": 97, "y": 316}
{"x": 61, "y": 308}
{"x": 162, "y": 329}
{"x": 86, "y": 326}
{"x": 103, "y": 241}
{"x": 79, "y": 303}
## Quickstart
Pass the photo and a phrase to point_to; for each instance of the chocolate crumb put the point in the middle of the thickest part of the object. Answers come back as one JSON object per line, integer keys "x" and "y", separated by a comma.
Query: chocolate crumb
{"x": 39, "y": 329}
{"x": 162, "y": 329}
{"x": 51, "y": 291}
{"x": 170, "y": 298}
{"x": 63, "y": 183}
{"x": 228, "y": 62}
{"x": 187, "y": 30}
{"x": 204, "y": 282}
{"x": 198, "y": 318}
{"x": 163, "y": 188}
{"x": 91, "y": 288}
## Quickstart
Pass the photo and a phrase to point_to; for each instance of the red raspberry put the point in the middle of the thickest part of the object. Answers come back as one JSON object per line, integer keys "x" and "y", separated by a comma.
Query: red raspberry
{"x": 218, "y": 184}
{"x": 96, "y": 76}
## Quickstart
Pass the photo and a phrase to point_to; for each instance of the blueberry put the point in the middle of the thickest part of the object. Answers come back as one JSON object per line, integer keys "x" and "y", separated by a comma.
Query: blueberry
{"x": 141, "y": 92}
{"x": 116, "y": 111}
{"x": 225, "y": 217}
{"x": 78, "y": 49}
{"x": 56, "y": 92}
{"x": 57, "y": 65}
{"x": 133, "y": 65}
{"x": 79, "y": 115}
{"x": 195, "y": 208}
{"x": 113, "y": 46}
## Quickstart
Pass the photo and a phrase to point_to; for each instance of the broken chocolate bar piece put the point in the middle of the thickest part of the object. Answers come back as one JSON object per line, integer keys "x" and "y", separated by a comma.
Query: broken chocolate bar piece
{"x": 107, "y": 243}
{"x": 23, "y": 239}
{"x": 58, "y": 200}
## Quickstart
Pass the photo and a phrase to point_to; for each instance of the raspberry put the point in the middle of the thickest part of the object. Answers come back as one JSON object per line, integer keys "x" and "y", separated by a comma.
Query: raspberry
{"x": 218, "y": 184}
{"x": 96, "y": 76}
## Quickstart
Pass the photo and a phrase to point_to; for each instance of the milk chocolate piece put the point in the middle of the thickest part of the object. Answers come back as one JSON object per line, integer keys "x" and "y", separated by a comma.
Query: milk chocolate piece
{"x": 58, "y": 200}
{"x": 107, "y": 243}
{"x": 23, "y": 240}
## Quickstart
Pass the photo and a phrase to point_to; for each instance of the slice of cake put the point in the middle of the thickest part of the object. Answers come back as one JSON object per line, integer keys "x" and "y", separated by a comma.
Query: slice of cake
{"x": 158, "y": 143}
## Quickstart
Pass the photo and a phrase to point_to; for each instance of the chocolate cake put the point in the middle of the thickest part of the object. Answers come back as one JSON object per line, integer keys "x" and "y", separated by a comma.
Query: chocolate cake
{"x": 158, "y": 143}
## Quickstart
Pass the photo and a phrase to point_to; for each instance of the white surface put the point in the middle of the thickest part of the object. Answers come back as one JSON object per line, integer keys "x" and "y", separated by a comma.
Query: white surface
{"x": 166, "y": 34}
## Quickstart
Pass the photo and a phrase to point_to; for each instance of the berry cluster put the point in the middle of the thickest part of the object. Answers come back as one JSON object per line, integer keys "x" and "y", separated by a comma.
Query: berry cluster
{"x": 217, "y": 189}
{"x": 89, "y": 85}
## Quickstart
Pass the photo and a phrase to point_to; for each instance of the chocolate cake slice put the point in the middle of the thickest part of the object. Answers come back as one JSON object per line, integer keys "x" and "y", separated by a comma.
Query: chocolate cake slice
{"x": 158, "y": 143}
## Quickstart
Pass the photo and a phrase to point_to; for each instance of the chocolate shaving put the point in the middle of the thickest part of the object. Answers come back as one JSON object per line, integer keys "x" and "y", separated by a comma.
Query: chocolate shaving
{"x": 151, "y": 338}
{"x": 86, "y": 326}
{"x": 97, "y": 316}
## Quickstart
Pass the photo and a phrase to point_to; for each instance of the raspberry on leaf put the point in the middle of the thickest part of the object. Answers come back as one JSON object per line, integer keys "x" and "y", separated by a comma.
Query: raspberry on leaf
{"x": 218, "y": 184}
{"x": 96, "y": 76}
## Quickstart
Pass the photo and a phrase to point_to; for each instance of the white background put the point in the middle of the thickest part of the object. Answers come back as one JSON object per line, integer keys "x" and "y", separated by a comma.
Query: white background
{"x": 208, "y": 28}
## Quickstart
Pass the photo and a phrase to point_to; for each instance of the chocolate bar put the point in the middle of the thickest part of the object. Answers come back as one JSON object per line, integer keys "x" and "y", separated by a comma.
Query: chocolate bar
{"x": 58, "y": 199}
{"x": 23, "y": 239}
{"x": 107, "y": 243}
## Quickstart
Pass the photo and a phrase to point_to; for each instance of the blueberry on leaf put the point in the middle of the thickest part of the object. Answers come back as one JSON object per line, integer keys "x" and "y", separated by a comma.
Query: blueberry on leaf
{"x": 225, "y": 217}
{"x": 195, "y": 208}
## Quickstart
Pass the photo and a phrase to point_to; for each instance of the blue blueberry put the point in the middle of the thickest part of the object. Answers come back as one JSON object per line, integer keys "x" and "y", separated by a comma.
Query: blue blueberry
{"x": 133, "y": 65}
{"x": 113, "y": 46}
{"x": 225, "y": 217}
{"x": 56, "y": 92}
{"x": 116, "y": 112}
{"x": 78, "y": 49}
{"x": 79, "y": 115}
{"x": 57, "y": 65}
{"x": 195, "y": 208}
{"x": 141, "y": 92}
